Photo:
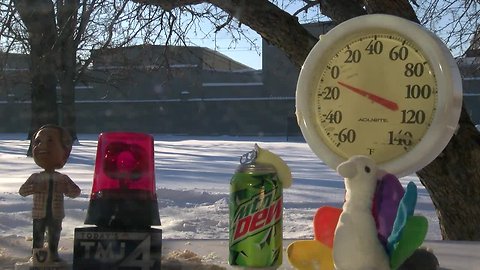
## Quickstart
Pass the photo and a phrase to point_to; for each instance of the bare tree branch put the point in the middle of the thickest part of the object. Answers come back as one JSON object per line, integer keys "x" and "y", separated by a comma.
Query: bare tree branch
{"x": 221, "y": 26}
{"x": 169, "y": 5}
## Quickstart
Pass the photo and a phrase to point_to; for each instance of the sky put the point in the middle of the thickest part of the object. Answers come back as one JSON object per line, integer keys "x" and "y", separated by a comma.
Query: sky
{"x": 192, "y": 182}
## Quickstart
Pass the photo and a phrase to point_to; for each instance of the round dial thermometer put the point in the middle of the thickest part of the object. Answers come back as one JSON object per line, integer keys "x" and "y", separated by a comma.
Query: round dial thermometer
{"x": 380, "y": 86}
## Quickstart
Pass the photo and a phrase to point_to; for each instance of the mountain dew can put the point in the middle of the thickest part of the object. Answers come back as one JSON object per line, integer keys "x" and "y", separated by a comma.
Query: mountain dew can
{"x": 255, "y": 217}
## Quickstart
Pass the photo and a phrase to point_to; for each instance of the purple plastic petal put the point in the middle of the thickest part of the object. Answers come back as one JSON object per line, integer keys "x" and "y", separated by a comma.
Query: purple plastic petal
{"x": 385, "y": 205}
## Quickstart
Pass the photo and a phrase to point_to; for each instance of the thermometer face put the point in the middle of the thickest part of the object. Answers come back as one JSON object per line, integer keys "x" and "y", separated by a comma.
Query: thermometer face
{"x": 380, "y": 86}
{"x": 376, "y": 96}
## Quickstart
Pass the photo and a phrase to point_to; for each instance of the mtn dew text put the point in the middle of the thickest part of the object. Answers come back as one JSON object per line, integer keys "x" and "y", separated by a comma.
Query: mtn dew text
{"x": 256, "y": 212}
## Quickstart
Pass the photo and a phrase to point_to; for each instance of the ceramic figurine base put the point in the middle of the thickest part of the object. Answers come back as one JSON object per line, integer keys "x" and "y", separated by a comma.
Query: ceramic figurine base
{"x": 105, "y": 249}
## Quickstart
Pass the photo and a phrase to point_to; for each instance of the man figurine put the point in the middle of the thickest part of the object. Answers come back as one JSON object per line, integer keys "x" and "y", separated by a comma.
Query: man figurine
{"x": 51, "y": 146}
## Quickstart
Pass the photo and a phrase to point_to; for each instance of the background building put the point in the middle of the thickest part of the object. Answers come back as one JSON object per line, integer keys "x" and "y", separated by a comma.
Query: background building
{"x": 185, "y": 90}
{"x": 158, "y": 89}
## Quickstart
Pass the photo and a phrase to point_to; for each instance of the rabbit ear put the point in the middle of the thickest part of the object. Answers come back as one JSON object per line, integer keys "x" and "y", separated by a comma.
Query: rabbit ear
{"x": 387, "y": 197}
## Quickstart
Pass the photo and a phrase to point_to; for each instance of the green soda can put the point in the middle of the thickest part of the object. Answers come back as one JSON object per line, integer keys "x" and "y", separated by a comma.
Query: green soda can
{"x": 256, "y": 212}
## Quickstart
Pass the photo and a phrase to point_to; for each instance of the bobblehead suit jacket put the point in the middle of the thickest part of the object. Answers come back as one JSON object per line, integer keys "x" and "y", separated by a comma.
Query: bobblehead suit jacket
{"x": 62, "y": 185}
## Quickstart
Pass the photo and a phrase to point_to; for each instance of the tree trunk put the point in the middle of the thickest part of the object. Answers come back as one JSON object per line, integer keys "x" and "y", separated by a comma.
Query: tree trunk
{"x": 453, "y": 181}
{"x": 38, "y": 17}
{"x": 66, "y": 47}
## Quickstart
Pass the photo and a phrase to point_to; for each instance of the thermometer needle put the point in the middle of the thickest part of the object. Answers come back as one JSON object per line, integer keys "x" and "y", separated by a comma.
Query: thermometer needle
{"x": 391, "y": 105}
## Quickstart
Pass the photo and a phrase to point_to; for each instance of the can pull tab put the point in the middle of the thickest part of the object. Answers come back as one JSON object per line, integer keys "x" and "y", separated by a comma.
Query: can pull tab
{"x": 250, "y": 156}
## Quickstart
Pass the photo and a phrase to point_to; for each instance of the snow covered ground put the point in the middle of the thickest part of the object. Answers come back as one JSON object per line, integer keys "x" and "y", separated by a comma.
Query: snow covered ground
{"x": 193, "y": 175}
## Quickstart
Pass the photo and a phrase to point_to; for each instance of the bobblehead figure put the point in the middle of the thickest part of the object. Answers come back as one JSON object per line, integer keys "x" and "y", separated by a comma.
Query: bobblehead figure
{"x": 51, "y": 146}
